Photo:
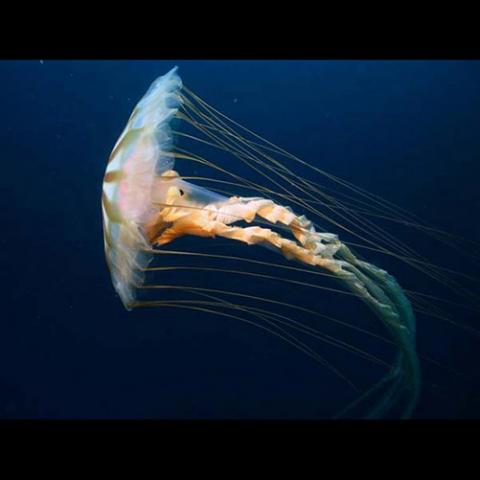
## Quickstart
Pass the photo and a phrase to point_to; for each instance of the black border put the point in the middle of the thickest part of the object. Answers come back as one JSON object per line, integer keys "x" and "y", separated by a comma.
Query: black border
{"x": 372, "y": 436}
{"x": 240, "y": 32}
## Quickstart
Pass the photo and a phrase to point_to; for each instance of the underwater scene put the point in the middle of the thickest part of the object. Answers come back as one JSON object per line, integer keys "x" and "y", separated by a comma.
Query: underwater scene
{"x": 219, "y": 239}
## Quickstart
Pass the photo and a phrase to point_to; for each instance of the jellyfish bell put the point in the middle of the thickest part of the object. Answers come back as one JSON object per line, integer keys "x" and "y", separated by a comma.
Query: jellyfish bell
{"x": 149, "y": 203}
{"x": 140, "y": 154}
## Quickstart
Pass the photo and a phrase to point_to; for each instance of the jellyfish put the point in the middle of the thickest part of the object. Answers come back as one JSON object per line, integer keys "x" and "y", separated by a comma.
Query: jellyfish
{"x": 156, "y": 194}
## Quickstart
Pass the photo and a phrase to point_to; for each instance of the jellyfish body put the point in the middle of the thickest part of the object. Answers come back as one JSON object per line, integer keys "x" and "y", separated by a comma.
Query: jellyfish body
{"x": 146, "y": 205}
{"x": 140, "y": 152}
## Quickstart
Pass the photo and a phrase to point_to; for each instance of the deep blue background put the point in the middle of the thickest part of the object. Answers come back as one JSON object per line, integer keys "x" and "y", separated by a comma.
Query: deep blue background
{"x": 407, "y": 131}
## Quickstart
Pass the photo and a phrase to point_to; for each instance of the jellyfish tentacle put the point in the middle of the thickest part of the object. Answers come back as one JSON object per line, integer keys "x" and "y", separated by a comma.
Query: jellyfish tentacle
{"x": 301, "y": 227}
{"x": 312, "y": 243}
{"x": 216, "y": 219}
{"x": 385, "y": 297}
{"x": 379, "y": 290}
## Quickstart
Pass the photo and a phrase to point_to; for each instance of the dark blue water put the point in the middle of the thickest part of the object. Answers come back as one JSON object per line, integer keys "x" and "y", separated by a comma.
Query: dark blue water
{"x": 407, "y": 131}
